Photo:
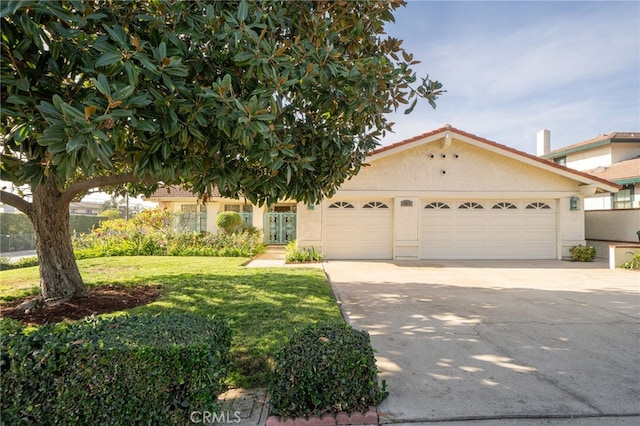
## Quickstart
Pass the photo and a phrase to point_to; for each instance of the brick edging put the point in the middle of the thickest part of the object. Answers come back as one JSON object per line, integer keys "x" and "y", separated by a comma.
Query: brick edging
{"x": 369, "y": 417}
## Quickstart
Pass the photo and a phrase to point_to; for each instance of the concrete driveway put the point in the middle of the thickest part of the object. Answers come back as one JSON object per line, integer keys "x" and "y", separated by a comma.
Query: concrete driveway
{"x": 499, "y": 342}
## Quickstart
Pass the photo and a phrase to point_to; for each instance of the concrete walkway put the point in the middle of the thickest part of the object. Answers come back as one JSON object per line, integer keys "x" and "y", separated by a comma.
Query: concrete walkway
{"x": 245, "y": 407}
{"x": 499, "y": 343}
{"x": 274, "y": 258}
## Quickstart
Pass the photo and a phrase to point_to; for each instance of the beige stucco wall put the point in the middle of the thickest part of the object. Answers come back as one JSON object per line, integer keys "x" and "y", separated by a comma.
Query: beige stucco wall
{"x": 624, "y": 151}
{"x": 309, "y": 226}
{"x": 590, "y": 159}
{"x": 612, "y": 225}
{"x": 474, "y": 170}
{"x": 465, "y": 172}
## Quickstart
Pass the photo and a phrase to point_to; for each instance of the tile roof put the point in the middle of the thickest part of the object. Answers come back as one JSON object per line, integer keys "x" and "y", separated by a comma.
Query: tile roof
{"x": 449, "y": 128}
{"x": 600, "y": 139}
{"x": 624, "y": 171}
{"x": 178, "y": 192}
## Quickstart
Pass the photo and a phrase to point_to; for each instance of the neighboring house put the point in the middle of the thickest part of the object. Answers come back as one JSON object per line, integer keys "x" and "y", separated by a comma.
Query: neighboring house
{"x": 85, "y": 207}
{"x": 76, "y": 207}
{"x": 446, "y": 194}
{"x": 614, "y": 157}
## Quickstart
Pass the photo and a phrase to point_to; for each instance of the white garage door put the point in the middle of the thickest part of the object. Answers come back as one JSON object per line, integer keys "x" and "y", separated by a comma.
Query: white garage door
{"x": 488, "y": 230}
{"x": 358, "y": 229}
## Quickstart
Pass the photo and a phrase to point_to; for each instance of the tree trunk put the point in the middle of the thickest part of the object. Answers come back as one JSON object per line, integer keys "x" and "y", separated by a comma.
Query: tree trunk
{"x": 59, "y": 274}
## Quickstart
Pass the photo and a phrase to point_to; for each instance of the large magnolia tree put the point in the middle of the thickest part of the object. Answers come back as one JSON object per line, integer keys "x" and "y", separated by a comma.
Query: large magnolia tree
{"x": 265, "y": 100}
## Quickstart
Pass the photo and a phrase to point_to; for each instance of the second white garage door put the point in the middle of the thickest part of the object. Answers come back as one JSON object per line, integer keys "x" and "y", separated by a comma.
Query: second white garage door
{"x": 488, "y": 230}
{"x": 359, "y": 229}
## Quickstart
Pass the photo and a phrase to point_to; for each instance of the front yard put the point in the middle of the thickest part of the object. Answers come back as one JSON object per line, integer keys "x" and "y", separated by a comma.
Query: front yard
{"x": 263, "y": 305}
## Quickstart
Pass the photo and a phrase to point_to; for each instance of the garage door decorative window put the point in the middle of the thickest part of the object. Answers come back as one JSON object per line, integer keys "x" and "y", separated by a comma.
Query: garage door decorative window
{"x": 470, "y": 206}
{"x": 437, "y": 206}
{"x": 504, "y": 206}
{"x": 341, "y": 205}
{"x": 375, "y": 205}
{"x": 538, "y": 206}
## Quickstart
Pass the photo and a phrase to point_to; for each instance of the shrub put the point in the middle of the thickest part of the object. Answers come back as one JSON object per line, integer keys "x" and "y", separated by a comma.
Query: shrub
{"x": 229, "y": 222}
{"x": 126, "y": 370}
{"x": 327, "y": 367}
{"x": 583, "y": 254}
{"x": 295, "y": 255}
{"x": 634, "y": 263}
{"x": 140, "y": 237}
{"x": 153, "y": 218}
{"x": 25, "y": 262}
{"x": 111, "y": 214}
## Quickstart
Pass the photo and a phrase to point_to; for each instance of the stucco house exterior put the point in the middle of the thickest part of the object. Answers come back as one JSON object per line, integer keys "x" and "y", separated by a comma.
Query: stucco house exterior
{"x": 445, "y": 194}
{"x": 614, "y": 156}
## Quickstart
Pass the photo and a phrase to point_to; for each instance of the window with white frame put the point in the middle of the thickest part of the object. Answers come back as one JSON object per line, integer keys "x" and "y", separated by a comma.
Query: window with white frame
{"x": 623, "y": 199}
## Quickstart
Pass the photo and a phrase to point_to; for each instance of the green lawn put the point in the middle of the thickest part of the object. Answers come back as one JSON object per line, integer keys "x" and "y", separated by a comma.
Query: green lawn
{"x": 264, "y": 305}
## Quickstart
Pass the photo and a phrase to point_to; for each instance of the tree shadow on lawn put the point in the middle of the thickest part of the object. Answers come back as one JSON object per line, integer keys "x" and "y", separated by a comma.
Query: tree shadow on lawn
{"x": 263, "y": 306}
{"x": 263, "y": 309}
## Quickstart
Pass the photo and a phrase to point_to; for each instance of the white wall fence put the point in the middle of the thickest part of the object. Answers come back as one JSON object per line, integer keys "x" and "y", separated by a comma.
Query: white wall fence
{"x": 608, "y": 227}
{"x": 612, "y": 225}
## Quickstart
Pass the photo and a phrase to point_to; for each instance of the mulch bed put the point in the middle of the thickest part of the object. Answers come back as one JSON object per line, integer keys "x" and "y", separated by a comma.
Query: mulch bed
{"x": 98, "y": 300}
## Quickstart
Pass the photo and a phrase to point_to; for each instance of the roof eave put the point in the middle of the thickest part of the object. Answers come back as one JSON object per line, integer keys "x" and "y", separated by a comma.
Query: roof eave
{"x": 570, "y": 150}
{"x": 442, "y": 133}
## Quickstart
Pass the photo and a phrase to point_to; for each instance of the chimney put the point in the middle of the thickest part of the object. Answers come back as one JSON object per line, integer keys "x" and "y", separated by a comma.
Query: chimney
{"x": 544, "y": 142}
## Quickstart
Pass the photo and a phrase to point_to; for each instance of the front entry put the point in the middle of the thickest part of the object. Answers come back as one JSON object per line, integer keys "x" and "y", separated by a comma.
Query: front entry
{"x": 279, "y": 227}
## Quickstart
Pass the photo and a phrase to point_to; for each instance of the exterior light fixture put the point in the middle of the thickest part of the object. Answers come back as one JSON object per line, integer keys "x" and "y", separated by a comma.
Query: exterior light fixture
{"x": 574, "y": 203}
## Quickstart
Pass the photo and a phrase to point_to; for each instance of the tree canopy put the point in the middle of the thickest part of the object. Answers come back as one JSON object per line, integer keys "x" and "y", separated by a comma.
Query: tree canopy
{"x": 266, "y": 100}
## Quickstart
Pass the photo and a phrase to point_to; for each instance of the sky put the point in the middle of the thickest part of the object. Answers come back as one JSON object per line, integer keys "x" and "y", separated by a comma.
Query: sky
{"x": 511, "y": 68}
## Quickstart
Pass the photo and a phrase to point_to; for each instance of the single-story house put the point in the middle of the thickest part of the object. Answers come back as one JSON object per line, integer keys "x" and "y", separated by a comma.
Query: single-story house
{"x": 445, "y": 194}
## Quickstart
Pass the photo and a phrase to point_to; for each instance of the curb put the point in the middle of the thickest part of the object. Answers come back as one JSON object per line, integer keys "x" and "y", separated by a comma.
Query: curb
{"x": 369, "y": 417}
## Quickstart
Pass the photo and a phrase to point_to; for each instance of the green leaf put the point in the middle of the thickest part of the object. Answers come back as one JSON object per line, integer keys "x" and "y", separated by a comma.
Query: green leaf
{"x": 96, "y": 16}
{"x": 413, "y": 105}
{"x": 108, "y": 58}
{"x": 145, "y": 126}
{"x": 117, "y": 34}
{"x": 20, "y": 132}
{"x": 102, "y": 84}
{"x": 9, "y": 7}
{"x": 23, "y": 84}
{"x": 146, "y": 62}
{"x": 243, "y": 10}
{"x": 123, "y": 93}
{"x": 75, "y": 143}
{"x": 162, "y": 51}
{"x": 17, "y": 100}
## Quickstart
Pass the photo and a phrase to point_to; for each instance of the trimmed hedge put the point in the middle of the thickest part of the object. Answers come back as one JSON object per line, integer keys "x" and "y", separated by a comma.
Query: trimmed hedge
{"x": 25, "y": 262}
{"x": 229, "y": 222}
{"x": 326, "y": 367}
{"x": 138, "y": 369}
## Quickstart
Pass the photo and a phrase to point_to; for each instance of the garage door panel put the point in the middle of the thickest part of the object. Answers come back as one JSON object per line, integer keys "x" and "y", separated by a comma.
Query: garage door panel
{"x": 504, "y": 220}
{"x": 359, "y": 232}
{"x": 542, "y": 220}
{"x": 510, "y": 231}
